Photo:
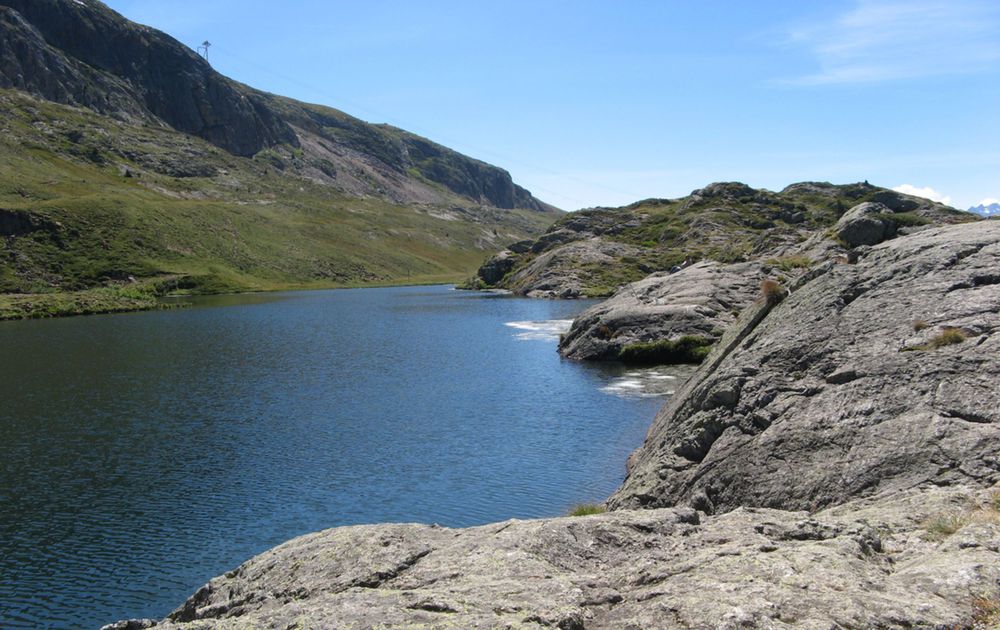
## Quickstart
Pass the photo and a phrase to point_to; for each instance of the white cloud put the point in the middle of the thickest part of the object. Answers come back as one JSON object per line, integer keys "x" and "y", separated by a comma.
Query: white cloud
{"x": 881, "y": 40}
{"x": 926, "y": 193}
{"x": 989, "y": 201}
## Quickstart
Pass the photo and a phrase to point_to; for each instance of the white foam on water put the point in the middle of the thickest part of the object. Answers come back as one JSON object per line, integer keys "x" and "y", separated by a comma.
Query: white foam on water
{"x": 545, "y": 330}
{"x": 645, "y": 382}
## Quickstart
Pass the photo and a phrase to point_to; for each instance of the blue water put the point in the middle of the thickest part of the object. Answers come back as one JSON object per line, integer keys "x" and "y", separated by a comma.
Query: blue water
{"x": 142, "y": 454}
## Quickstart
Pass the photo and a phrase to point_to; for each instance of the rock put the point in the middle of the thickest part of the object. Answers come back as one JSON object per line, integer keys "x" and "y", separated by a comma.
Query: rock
{"x": 726, "y": 222}
{"x": 494, "y": 269}
{"x": 866, "y": 564}
{"x": 562, "y": 272}
{"x": 838, "y": 396}
{"x": 700, "y": 300}
{"x": 865, "y": 224}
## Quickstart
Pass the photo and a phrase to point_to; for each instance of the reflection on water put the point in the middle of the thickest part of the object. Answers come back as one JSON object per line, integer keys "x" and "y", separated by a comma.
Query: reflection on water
{"x": 546, "y": 330}
{"x": 648, "y": 381}
{"x": 142, "y": 454}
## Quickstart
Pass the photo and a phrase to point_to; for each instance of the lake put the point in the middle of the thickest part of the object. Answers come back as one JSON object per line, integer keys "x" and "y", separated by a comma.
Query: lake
{"x": 142, "y": 454}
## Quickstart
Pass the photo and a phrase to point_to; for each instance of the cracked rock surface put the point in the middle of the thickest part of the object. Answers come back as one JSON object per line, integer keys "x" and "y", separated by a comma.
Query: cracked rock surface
{"x": 865, "y": 564}
{"x": 840, "y": 391}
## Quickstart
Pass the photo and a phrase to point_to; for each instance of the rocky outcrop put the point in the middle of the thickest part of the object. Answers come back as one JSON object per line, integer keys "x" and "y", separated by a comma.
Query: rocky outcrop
{"x": 869, "y": 377}
{"x": 879, "y": 563}
{"x": 701, "y": 300}
{"x": 865, "y": 224}
{"x": 723, "y": 222}
{"x": 565, "y": 272}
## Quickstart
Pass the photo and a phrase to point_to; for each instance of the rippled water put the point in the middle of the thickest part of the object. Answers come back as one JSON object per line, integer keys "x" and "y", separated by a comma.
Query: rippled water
{"x": 142, "y": 454}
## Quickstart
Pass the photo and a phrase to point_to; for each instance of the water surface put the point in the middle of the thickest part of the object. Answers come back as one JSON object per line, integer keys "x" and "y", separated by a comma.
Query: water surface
{"x": 142, "y": 454}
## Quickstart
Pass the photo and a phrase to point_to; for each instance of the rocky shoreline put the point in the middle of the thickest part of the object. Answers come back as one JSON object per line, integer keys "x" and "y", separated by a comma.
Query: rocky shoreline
{"x": 833, "y": 464}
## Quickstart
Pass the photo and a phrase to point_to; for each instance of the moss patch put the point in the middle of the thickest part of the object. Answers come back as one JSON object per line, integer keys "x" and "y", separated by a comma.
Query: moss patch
{"x": 687, "y": 349}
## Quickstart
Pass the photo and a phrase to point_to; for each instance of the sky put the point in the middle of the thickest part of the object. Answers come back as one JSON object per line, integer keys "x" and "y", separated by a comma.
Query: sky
{"x": 596, "y": 103}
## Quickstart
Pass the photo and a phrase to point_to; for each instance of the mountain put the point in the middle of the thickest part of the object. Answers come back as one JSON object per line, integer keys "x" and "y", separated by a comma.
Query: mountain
{"x": 591, "y": 253}
{"x": 126, "y": 155}
{"x": 986, "y": 210}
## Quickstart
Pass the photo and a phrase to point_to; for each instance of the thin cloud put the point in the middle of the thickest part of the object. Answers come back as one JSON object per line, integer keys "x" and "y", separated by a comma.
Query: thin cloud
{"x": 884, "y": 40}
{"x": 989, "y": 201}
{"x": 926, "y": 193}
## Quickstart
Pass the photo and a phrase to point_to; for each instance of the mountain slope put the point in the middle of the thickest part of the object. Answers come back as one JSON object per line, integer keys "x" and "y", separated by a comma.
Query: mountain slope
{"x": 126, "y": 155}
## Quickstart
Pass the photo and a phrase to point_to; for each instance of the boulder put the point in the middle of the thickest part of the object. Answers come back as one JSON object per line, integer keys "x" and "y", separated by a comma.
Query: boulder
{"x": 494, "y": 269}
{"x": 868, "y": 223}
{"x": 700, "y": 300}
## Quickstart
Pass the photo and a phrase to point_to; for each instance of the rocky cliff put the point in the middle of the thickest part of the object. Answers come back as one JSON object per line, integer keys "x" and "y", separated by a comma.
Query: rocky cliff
{"x": 81, "y": 53}
{"x": 833, "y": 464}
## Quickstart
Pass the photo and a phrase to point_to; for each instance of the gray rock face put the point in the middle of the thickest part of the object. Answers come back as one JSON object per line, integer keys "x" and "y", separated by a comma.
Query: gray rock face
{"x": 494, "y": 269}
{"x": 845, "y": 389}
{"x": 867, "y": 564}
{"x": 699, "y": 300}
{"x": 561, "y": 272}
{"x": 865, "y": 224}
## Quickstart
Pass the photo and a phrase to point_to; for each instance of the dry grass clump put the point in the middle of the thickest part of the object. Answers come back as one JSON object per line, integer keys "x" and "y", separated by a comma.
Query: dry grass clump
{"x": 947, "y": 337}
{"x": 920, "y": 324}
{"x": 941, "y": 526}
{"x": 772, "y": 291}
{"x": 985, "y": 613}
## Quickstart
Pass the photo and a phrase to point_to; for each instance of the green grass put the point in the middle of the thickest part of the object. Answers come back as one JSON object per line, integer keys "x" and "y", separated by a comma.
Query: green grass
{"x": 790, "y": 263}
{"x": 112, "y": 299}
{"x": 687, "y": 349}
{"x": 234, "y": 224}
{"x": 587, "y": 509}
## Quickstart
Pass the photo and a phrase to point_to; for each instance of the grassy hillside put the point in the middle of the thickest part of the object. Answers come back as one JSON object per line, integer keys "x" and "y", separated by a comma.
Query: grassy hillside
{"x": 87, "y": 201}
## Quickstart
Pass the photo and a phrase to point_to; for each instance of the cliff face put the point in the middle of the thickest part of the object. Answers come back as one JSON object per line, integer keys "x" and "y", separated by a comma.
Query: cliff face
{"x": 833, "y": 464}
{"x": 868, "y": 377}
{"x": 81, "y": 53}
{"x": 118, "y": 68}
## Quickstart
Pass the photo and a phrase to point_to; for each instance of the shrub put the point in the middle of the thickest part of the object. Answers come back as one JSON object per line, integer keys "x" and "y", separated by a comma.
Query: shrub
{"x": 687, "y": 349}
{"x": 587, "y": 509}
{"x": 772, "y": 291}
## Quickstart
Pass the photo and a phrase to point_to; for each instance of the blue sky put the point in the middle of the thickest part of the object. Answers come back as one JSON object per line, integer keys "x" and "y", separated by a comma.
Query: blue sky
{"x": 601, "y": 103}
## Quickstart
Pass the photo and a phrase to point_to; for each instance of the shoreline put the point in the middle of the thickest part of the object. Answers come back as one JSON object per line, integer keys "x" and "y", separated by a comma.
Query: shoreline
{"x": 141, "y": 297}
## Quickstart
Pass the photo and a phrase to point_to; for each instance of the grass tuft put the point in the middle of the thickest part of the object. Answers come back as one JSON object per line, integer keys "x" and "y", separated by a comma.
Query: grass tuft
{"x": 587, "y": 509}
{"x": 947, "y": 337}
{"x": 790, "y": 263}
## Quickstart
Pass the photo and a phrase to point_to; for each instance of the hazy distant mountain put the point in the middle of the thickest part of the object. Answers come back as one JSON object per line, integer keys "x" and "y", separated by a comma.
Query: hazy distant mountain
{"x": 986, "y": 210}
